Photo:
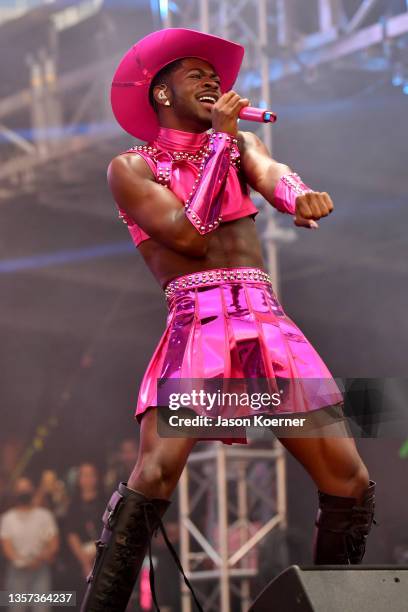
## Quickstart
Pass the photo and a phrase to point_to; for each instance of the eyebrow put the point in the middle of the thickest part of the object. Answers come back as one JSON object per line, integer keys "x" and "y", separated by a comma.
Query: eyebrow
{"x": 213, "y": 74}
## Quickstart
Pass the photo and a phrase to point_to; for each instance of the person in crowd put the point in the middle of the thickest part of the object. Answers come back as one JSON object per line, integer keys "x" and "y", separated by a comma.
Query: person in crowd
{"x": 82, "y": 522}
{"x": 29, "y": 538}
{"x": 51, "y": 493}
{"x": 10, "y": 450}
{"x": 122, "y": 462}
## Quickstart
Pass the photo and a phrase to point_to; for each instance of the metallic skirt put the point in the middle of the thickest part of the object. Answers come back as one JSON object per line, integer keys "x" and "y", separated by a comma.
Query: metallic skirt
{"x": 228, "y": 324}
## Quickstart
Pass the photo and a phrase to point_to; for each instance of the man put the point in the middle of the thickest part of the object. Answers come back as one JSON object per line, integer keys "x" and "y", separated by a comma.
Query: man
{"x": 184, "y": 197}
{"x": 85, "y": 507}
{"x": 29, "y": 540}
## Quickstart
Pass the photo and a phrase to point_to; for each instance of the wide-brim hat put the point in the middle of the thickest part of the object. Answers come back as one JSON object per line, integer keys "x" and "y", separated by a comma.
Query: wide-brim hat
{"x": 134, "y": 74}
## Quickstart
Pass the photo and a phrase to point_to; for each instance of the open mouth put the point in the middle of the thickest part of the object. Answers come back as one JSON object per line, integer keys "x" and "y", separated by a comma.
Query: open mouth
{"x": 207, "y": 100}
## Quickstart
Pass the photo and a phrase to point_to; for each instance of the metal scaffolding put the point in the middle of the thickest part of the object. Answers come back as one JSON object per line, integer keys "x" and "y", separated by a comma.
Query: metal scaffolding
{"x": 221, "y": 497}
{"x": 55, "y": 127}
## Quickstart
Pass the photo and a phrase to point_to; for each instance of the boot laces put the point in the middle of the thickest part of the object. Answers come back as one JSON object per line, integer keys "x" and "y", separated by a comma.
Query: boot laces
{"x": 160, "y": 526}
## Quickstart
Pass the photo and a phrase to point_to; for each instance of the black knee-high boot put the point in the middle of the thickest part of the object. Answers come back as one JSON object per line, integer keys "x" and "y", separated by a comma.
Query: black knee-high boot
{"x": 342, "y": 527}
{"x": 130, "y": 519}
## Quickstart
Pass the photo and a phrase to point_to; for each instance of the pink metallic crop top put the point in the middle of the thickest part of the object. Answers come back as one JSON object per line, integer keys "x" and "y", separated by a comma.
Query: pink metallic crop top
{"x": 174, "y": 158}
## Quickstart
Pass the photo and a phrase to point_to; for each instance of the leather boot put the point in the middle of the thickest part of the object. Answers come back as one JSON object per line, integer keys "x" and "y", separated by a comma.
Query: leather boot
{"x": 129, "y": 521}
{"x": 342, "y": 528}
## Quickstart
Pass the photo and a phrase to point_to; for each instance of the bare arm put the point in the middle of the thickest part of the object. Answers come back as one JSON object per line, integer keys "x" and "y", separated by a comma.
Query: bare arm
{"x": 262, "y": 173}
{"x": 84, "y": 559}
{"x": 75, "y": 544}
{"x": 153, "y": 207}
{"x": 8, "y": 550}
{"x": 50, "y": 549}
{"x": 47, "y": 554}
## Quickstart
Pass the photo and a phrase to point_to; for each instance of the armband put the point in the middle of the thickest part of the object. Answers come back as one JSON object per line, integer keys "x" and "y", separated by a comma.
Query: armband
{"x": 203, "y": 205}
{"x": 287, "y": 189}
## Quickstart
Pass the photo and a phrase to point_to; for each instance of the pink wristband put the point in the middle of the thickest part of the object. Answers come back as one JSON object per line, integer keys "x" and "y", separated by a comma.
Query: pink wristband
{"x": 288, "y": 188}
{"x": 203, "y": 205}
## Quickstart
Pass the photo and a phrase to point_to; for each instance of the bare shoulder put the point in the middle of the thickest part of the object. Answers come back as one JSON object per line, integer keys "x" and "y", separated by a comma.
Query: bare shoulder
{"x": 248, "y": 141}
{"x": 128, "y": 166}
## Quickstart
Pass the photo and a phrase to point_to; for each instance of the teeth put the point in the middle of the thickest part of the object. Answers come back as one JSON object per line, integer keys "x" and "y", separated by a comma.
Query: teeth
{"x": 207, "y": 98}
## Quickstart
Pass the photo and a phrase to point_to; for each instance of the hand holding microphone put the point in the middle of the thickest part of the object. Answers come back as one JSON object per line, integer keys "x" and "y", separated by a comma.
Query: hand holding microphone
{"x": 230, "y": 107}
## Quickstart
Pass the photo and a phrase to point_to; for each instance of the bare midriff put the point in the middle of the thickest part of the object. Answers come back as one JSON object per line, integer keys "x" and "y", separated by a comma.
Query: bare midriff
{"x": 234, "y": 244}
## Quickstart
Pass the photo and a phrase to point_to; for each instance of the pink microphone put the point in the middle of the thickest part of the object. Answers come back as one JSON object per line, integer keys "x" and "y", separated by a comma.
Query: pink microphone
{"x": 250, "y": 113}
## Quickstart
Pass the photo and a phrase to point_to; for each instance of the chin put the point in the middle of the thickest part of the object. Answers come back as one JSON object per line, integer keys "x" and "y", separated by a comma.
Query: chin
{"x": 202, "y": 120}
{"x": 205, "y": 122}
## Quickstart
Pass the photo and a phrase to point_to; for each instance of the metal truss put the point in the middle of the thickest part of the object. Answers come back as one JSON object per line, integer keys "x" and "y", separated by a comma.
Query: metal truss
{"x": 228, "y": 506}
{"x": 279, "y": 30}
{"x": 66, "y": 17}
{"x": 43, "y": 106}
{"x": 53, "y": 121}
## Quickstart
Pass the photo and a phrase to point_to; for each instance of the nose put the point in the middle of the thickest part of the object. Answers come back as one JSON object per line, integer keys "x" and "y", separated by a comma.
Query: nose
{"x": 208, "y": 81}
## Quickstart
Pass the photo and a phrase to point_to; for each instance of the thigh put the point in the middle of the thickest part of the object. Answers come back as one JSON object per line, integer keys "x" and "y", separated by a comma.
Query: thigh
{"x": 160, "y": 459}
{"x": 167, "y": 450}
{"x": 41, "y": 579}
{"x": 326, "y": 459}
{"x": 17, "y": 582}
{"x": 41, "y": 584}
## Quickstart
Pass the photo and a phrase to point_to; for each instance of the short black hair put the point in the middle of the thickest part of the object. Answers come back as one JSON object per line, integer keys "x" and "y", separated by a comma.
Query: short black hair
{"x": 162, "y": 77}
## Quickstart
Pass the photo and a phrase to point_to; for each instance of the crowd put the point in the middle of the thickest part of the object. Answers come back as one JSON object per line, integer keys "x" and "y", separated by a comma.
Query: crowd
{"x": 48, "y": 530}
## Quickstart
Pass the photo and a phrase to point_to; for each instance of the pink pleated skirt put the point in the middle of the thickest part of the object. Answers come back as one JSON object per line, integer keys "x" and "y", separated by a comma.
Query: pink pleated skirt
{"x": 228, "y": 324}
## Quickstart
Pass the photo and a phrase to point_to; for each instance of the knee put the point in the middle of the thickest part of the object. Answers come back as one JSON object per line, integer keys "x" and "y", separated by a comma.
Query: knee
{"x": 358, "y": 481}
{"x": 361, "y": 477}
{"x": 152, "y": 478}
{"x": 350, "y": 479}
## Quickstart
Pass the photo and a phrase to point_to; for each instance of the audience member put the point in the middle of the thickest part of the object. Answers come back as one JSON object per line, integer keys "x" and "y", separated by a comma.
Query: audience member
{"x": 51, "y": 493}
{"x": 122, "y": 463}
{"x": 83, "y": 521}
{"x": 29, "y": 540}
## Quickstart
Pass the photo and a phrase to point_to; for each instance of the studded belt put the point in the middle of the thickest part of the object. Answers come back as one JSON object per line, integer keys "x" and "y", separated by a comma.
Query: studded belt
{"x": 216, "y": 276}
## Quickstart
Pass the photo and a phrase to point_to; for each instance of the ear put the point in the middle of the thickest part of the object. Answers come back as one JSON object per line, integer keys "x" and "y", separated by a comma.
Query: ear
{"x": 160, "y": 95}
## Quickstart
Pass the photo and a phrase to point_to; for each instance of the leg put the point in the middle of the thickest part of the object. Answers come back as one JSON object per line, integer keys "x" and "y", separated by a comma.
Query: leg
{"x": 17, "y": 581}
{"x": 161, "y": 460}
{"x": 133, "y": 514}
{"x": 41, "y": 583}
{"x": 334, "y": 464}
{"x": 346, "y": 497}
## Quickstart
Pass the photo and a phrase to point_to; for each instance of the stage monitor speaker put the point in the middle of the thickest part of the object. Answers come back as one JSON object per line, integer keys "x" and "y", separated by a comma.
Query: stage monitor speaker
{"x": 336, "y": 588}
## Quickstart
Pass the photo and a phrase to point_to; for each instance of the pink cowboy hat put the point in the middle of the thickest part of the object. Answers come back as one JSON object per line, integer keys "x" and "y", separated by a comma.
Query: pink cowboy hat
{"x": 133, "y": 76}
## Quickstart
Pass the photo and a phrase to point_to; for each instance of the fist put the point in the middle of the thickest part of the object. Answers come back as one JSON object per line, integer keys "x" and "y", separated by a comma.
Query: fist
{"x": 225, "y": 112}
{"x": 312, "y": 206}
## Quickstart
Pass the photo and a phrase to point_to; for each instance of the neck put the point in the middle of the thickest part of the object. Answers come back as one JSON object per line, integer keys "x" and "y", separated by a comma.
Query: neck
{"x": 180, "y": 140}
{"x": 183, "y": 125}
